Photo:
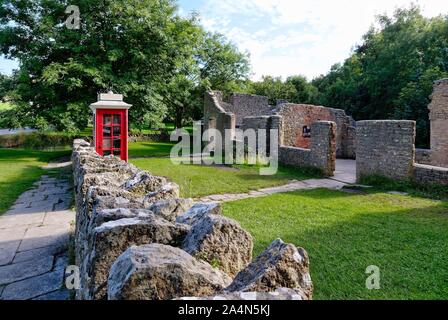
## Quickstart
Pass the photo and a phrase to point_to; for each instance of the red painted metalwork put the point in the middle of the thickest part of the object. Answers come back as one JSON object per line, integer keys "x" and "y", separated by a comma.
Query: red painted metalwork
{"x": 111, "y": 132}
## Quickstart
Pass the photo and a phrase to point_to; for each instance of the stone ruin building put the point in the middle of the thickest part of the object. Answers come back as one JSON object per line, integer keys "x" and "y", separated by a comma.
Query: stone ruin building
{"x": 438, "y": 115}
{"x": 315, "y": 136}
{"x": 244, "y": 111}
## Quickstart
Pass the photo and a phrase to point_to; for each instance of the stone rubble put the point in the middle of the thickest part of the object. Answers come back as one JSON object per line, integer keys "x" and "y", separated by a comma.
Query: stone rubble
{"x": 206, "y": 238}
{"x": 136, "y": 239}
{"x": 158, "y": 272}
{"x": 280, "y": 266}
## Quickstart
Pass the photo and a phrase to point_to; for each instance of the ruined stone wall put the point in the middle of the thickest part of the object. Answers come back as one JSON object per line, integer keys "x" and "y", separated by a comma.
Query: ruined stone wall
{"x": 323, "y": 146}
{"x": 426, "y": 174}
{"x": 133, "y": 230}
{"x": 248, "y": 105}
{"x": 297, "y": 116}
{"x": 385, "y": 148}
{"x": 322, "y": 152}
{"x": 438, "y": 116}
{"x": 423, "y": 156}
{"x": 295, "y": 157}
{"x": 216, "y": 116}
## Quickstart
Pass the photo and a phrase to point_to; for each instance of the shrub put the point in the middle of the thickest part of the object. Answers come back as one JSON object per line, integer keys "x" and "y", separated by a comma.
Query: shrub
{"x": 38, "y": 140}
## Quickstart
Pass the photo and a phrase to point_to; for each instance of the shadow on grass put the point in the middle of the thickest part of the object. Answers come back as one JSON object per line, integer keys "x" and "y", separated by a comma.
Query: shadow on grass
{"x": 11, "y": 189}
{"x": 344, "y": 234}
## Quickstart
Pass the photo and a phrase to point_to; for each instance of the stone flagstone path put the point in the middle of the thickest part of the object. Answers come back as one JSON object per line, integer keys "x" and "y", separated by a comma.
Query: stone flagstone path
{"x": 345, "y": 175}
{"x": 293, "y": 186}
{"x": 34, "y": 235}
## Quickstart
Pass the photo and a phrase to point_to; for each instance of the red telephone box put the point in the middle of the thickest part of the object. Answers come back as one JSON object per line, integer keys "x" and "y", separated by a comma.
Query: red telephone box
{"x": 111, "y": 125}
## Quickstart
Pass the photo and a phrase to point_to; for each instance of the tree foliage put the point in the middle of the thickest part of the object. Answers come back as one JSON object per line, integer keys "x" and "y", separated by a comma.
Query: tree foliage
{"x": 391, "y": 74}
{"x": 295, "y": 89}
{"x": 141, "y": 48}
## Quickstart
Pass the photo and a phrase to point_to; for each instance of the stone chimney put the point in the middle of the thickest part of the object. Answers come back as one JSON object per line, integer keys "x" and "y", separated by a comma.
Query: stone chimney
{"x": 438, "y": 115}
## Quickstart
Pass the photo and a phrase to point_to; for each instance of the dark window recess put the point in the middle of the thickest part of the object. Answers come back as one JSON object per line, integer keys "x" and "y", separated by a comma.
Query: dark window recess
{"x": 107, "y": 120}
{"x": 306, "y": 132}
{"x": 107, "y": 131}
{"x": 117, "y": 131}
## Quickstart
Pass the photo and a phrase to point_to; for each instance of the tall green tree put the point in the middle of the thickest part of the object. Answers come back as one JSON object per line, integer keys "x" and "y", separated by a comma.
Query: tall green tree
{"x": 216, "y": 64}
{"x": 390, "y": 75}
{"x": 141, "y": 48}
{"x": 296, "y": 89}
{"x": 274, "y": 88}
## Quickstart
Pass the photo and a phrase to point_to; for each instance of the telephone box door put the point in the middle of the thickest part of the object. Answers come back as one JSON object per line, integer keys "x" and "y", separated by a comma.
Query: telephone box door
{"x": 112, "y": 133}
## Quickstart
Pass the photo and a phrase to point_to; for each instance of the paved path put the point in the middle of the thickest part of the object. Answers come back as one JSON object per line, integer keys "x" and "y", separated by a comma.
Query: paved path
{"x": 345, "y": 171}
{"x": 293, "y": 186}
{"x": 345, "y": 174}
{"x": 34, "y": 235}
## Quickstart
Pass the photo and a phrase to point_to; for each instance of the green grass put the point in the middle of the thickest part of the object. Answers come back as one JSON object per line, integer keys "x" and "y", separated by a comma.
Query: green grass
{"x": 19, "y": 169}
{"x": 150, "y": 149}
{"x": 197, "y": 181}
{"x": 345, "y": 233}
{"x": 433, "y": 191}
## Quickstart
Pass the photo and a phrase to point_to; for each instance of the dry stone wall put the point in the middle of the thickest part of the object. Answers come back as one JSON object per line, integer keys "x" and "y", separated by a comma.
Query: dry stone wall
{"x": 137, "y": 240}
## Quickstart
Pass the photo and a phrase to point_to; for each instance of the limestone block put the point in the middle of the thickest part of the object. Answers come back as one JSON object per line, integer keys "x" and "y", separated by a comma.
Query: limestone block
{"x": 108, "y": 241}
{"x": 160, "y": 272}
{"x": 280, "y": 266}
{"x": 221, "y": 242}
{"x": 198, "y": 211}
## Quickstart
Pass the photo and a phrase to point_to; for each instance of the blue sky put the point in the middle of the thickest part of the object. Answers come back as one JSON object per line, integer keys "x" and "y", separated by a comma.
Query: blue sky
{"x": 287, "y": 37}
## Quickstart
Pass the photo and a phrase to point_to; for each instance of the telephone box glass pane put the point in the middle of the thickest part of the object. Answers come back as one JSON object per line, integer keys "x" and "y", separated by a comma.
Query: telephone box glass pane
{"x": 117, "y": 131}
{"x": 117, "y": 153}
{"x": 117, "y": 143}
{"x": 107, "y": 153}
{"x": 107, "y": 120}
{"x": 117, "y": 119}
{"x": 106, "y": 144}
{"x": 107, "y": 131}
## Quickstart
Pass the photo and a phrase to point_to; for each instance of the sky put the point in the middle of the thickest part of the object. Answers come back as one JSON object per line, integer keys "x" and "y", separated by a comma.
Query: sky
{"x": 289, "y": 37}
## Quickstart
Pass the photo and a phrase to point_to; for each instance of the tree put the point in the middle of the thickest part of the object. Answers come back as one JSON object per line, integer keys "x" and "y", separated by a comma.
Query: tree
{"x": 141, "y": 48}
{"x": 216, "y": 65}
{"x": 273, "y": 88}
{"x": 296, "y": 89}
{"x": 305, "y": 91}
{"x": 390, "y": 75}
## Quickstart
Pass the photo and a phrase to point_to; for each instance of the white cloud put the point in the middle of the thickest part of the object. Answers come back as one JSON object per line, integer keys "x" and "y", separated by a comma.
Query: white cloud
{"x": 300, "y": 36}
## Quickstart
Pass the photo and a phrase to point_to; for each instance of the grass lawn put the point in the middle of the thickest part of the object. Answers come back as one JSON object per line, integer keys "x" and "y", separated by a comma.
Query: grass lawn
{"x": 197, "y": 181}
{"x": 19, "y": 169}
{"x": 149, "y": 149}
{"x": 345, "y": 233}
